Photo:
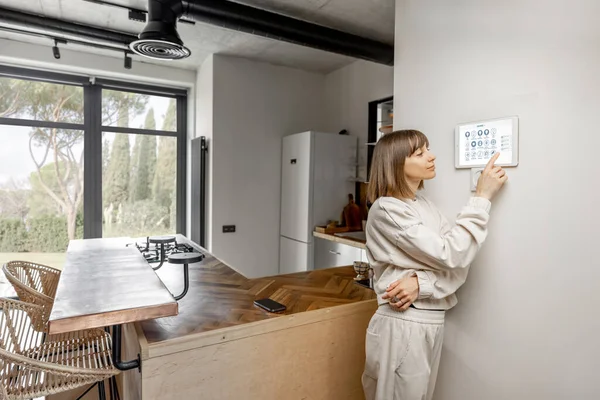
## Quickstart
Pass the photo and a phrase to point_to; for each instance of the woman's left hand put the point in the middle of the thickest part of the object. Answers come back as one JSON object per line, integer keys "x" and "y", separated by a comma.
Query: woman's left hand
{"x": 403, "y": 292}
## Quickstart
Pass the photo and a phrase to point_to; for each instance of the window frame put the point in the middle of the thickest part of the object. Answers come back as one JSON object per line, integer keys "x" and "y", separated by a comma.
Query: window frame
{"x": 93, "y": 129}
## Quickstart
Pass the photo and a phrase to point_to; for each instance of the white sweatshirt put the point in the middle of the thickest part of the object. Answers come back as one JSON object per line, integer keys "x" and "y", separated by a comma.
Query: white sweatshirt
{"x": 412, "y": 236}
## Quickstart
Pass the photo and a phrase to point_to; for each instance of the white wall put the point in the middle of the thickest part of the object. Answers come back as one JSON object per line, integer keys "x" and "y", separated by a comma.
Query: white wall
{"x": 526, "y": 326}
{"x": 204, "y": 127}
{"x": 254, "y": 106}
{"x": 250, "y": 107}
{"x": 348, "y": 92}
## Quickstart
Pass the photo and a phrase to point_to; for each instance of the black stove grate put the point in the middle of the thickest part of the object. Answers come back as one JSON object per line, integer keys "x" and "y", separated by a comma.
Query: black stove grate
{"x": 151, "y": 251}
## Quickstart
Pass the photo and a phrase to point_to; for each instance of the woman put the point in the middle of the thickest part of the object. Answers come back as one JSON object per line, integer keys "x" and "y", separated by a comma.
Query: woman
{"x": 418, "y": 261}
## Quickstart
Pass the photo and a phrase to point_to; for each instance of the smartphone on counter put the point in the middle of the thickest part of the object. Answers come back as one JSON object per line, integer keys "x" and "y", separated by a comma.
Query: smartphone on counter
{"x": 270, "y": 305}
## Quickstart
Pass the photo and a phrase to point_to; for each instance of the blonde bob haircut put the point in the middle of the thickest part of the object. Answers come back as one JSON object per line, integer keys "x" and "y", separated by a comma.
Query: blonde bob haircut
{"x": 387, "y": 166}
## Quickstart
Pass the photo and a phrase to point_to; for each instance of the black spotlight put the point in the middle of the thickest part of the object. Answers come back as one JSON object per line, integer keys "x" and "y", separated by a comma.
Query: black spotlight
{"x": 127, "y": 61}
{"x": 55, "y": 50}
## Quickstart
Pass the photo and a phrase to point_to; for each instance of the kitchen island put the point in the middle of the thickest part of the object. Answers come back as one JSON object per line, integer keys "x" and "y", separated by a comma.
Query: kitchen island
{"x": 221, "y": 346}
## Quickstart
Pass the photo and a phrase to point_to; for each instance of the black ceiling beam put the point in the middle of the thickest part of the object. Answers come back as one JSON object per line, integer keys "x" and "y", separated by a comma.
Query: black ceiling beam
{"x": 131, "y": 9}
{"x": 63, "y": 27}
{"x": 256, "y": 21}
{"x": 229, "y": 15}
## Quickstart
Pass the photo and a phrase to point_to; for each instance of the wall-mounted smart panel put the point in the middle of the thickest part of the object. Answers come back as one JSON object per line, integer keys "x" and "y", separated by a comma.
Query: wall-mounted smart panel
{"x": 476, "y": 142}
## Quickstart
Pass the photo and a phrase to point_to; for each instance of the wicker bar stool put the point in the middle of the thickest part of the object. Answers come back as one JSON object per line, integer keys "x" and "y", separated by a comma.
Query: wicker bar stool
{"x": 34, "y": 283}
{"x": 30, "y": 367}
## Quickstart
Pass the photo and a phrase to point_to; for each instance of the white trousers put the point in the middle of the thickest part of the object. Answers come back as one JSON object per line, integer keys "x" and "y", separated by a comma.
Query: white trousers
{"x": 403, "y": 354}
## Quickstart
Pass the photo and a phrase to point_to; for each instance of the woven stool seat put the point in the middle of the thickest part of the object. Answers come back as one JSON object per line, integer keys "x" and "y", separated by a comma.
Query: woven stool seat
{"x": 34, "y": 283}
{"x": 33, "y": 364}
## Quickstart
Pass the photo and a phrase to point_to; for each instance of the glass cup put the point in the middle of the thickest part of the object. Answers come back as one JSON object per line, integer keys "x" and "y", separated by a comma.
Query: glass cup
{"x": 361, "y": 268}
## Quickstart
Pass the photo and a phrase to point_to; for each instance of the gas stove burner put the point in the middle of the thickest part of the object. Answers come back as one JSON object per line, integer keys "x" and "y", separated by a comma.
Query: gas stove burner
{"x": 157, "y": 249}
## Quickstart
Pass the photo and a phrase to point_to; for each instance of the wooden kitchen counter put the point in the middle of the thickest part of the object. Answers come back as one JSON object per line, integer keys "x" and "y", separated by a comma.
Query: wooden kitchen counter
{"x": 224, "y": 347}
{"x": 354, "y": 242}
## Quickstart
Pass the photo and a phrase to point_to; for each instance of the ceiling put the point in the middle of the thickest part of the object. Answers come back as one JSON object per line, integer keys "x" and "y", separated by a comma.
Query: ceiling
{"x": 373, "y": 19}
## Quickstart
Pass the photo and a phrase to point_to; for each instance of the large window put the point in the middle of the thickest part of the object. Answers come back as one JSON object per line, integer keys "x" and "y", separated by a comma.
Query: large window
{"x": 41, "y": 169}
{"x": 86, "y": 160}
{"x": 41, "y": 191}
{"x": 40, "y": 101}
{"x": 139, "y": 171}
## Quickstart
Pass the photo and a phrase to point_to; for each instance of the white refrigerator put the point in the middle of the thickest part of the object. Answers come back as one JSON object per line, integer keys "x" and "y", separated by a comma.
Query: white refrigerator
{"x": 318, "y": 172}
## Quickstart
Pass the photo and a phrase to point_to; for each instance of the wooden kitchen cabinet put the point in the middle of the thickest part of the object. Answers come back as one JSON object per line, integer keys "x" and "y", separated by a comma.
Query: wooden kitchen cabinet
{"x": 331, "y": 254}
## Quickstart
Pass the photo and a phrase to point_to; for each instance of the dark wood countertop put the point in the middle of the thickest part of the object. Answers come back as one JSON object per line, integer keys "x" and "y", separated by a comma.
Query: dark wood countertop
{"x": 219, "y": 297}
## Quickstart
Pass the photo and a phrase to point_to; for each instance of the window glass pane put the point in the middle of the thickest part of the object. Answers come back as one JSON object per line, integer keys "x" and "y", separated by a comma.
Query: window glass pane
{"x": 139, "y": 174}
{"x": 40, "y": 101}
{"x": 131, "y": 110}
{"x": 41, "y": 193}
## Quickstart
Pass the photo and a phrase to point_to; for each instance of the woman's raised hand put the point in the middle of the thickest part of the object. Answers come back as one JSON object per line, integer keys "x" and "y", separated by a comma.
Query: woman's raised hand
{"x": 491, "y": 180}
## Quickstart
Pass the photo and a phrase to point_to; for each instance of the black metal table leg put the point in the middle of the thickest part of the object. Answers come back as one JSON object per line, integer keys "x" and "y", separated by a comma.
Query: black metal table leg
{"x": 185, "y": 259}
{"x": 186, "y": 282}
{"x": 101, "y": 391}
{"x": 115, "y": 393}
{"x": 116, "y": 350}
{"x": 147, "y": 244}
{"x": 162, "y": 241}
{"x": 110, "y": 388}
{"x": 162, "y": 257}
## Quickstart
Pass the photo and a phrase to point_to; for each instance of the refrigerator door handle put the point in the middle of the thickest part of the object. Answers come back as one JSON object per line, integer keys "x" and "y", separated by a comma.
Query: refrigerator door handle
{"x": 335, "y": 252}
